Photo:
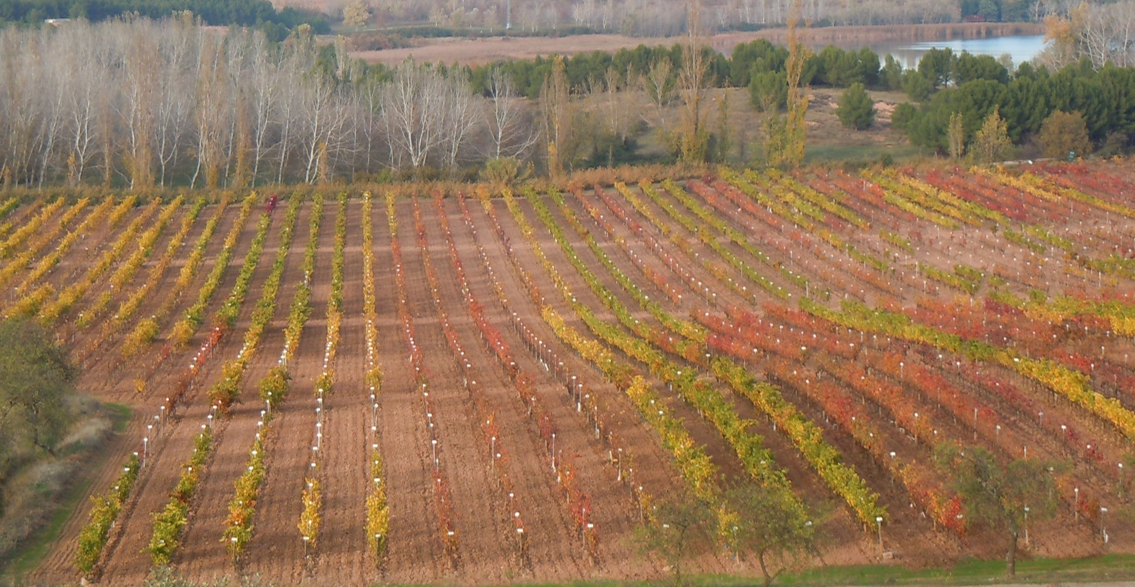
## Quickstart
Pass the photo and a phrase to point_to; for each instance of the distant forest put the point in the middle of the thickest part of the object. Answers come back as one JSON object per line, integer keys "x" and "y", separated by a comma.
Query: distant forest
{"x": 632, "y": 17}
{"x": 668, "y": 17}
{"x": 250, "y": 13}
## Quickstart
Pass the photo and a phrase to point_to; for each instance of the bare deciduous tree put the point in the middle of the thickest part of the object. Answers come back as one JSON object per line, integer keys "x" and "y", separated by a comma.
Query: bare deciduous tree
{"x": 413, "y": 112}
{"x": 511, "y": 131}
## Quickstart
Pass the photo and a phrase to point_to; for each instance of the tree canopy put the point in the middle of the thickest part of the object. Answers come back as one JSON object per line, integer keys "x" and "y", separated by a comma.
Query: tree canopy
{"x": 34, "y": 393}
{"x": 997, "y": 495}
{"x": 856, "y": 108}
{"x": 213, "y": 12}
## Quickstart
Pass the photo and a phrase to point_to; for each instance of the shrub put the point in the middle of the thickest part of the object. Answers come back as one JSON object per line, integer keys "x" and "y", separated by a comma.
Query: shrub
{"x": 1064, "y": 133}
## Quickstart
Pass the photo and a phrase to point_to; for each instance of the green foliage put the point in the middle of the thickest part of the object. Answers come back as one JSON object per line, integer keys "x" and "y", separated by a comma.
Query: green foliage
{"x": 169, "y": 522}
{"x": 996, "y": 495}
{"x": 937, "y": 66}
{"x": 35, "y": 393}
{"x": 969, "y": 67}
{"x": 841, "y": 69}
{"x": 1105, "y": 100}
{"x": 775, "y": 529}
{"x": 917, "y": 86}
{"x": 758, "y": 56}
{"x": 904, "y": 114}
{"x": 676, "y": 532}
{"x": 856, "y": 108}
{"x": 214, "y": 12}
{"x": 93, "y": 536}
{"x": 768, "y": 90}
{"x": 890, "y": 75}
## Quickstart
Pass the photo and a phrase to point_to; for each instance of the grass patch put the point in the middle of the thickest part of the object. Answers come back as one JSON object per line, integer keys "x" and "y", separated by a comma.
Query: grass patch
{"x": 820, "y": 153}
{"x": 1109, "y": 567}
{"x": 120, "y": 414}
{"x": 30, "y": 552}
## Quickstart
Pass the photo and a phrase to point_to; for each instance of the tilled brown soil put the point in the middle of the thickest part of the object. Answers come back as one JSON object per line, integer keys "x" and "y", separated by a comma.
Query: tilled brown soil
{"x": 487, "y": 550}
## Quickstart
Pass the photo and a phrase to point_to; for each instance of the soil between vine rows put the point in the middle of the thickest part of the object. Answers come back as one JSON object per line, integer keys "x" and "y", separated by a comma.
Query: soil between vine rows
{"x": 486, "y": 551}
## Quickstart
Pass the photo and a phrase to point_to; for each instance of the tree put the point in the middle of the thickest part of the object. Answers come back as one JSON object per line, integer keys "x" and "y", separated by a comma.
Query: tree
{"x": 461, "y": 115}
{"x": 956, "y": 136}
{"x": 140, "y": 68}
{"x": 1063, "y": 133}
{"x": 786, "y": 139}
{"x": 890, "y": 75}
{"x": 996, "y": 495}
{"x": 768, "y": 90}
{"x": 356, "y": 14}
{"x": 675, "y": 532}
{"x": 555, "y": 98}
{"x": 856, "y": 108}
{"x": 692, "y": 138}
{"x": 991, "y": 143}
{"x": 511, "y": 136}
{"x": 413, "y": 112}
{"x": 936, "y": 66}
{"x": 917, "y": 86}
{"x": 35, "y": 390}
{"x": 658, "y": 83}
{"x": 772, "y": 525}
{"x": 969, "y": 67}
{"x": 796, "y": 132}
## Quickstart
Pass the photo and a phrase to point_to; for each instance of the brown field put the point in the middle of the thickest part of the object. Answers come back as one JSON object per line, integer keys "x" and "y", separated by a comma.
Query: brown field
{"x": 486, "y": 550}
{"x": 487, "y": 50}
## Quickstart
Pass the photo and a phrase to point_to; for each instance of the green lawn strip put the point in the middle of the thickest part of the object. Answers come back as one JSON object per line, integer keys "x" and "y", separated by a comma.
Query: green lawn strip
{"x": 1109, "y": 567}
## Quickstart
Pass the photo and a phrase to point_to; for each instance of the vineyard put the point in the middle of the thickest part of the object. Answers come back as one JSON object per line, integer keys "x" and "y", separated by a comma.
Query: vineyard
{"x": 497, "y": 386}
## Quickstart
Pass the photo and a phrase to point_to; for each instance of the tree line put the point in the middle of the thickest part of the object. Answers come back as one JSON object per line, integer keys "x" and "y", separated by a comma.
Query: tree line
{"x": 668, "y": 17}
{"x": 248, "y": 13}
{"x": 168, "y": 102}
{"x": 1103, "y": 99}
{"x": 141, "y": 103}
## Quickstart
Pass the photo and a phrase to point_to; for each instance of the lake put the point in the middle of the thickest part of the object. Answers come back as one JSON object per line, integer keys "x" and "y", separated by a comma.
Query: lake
{"x": 1020, "y": 48}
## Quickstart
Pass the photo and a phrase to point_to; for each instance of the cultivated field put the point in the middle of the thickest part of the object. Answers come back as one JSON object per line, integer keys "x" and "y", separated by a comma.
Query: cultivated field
{"x": 479, "y": 51}
{"x": 486, "y": 390}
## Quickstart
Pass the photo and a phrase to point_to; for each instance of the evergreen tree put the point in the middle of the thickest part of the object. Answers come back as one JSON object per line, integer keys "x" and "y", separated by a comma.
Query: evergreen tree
{"x": 856, "y": 108}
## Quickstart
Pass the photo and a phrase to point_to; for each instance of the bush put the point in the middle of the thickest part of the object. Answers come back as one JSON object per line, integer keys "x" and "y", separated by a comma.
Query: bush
{"x": 275, "y": 385}
{"x": 856, "y": 108}
{"x": 1063, "y": 133}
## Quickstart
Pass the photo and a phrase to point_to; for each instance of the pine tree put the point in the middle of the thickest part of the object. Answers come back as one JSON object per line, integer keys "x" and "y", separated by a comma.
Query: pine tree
{"x": 856, "y": 108}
